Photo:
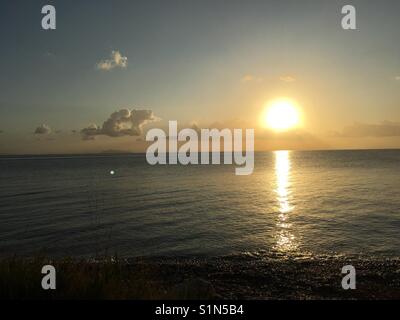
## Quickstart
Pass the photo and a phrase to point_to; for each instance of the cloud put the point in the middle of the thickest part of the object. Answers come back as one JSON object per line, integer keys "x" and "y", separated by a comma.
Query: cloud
{"x": 287, "y": 78}
{"x": 43, "y": 129}
{"x": 397, "y": 78}
{"x": 250, "y": 78}
{"x": 120, "y": 123}
{"x": 195, "y": 127}
{"x": 117, "y": 60}
{"x": 383, "y": 129}
{"x": 90, "y": 132}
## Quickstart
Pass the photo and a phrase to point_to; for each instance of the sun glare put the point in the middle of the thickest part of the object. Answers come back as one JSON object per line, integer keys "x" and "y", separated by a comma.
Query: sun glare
{"x": 281, "y": 114}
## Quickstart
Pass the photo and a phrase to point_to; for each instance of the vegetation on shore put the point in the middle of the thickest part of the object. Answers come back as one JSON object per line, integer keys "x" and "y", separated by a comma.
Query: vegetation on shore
{"x": 183, "y": 278}
{"x": 107, "y": 279}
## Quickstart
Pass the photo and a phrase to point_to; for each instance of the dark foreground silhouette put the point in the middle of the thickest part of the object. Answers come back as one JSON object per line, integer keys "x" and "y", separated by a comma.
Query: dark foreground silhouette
{"x": 230, "y": 277}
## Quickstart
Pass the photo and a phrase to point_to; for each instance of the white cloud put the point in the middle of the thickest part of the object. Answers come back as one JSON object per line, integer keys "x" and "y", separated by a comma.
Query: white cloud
{"x": 117, "y": 60}
{"x": 43, "y": 129}
{"x": 124, "y": 122}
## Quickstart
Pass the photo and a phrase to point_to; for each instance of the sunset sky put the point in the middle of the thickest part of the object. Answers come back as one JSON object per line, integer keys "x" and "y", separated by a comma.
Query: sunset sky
{"x": 204, "y": 63}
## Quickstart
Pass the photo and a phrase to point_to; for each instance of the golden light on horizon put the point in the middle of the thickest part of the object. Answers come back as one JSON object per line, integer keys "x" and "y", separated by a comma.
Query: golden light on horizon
{"x": 281, "y": 115}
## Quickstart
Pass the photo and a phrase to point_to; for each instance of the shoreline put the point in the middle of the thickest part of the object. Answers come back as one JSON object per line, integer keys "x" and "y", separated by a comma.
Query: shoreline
{"x": 220, "y": 278}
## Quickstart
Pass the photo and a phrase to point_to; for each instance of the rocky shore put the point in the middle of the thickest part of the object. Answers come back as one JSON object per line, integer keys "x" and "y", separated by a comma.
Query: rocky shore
{"x": 232, "y": 277}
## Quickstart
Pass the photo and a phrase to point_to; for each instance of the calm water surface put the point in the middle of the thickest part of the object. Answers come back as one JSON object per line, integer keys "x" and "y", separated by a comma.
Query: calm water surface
{"x": 319, "y": 202}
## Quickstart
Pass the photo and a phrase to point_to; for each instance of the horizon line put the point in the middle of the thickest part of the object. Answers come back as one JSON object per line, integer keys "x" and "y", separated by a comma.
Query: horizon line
{"x": 105, "y": 153}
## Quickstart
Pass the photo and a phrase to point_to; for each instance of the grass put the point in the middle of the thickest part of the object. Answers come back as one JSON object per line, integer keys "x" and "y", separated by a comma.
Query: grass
{"x": 108, "y": 279}
{"x": 214, "y": 278}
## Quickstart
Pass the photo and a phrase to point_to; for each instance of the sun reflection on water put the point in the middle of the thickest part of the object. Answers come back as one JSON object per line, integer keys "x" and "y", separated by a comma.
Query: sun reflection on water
{"x": 285, "y": 240}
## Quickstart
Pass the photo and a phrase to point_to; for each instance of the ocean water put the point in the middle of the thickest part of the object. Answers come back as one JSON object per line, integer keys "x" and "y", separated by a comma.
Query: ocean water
{"x": 317, "y": 202}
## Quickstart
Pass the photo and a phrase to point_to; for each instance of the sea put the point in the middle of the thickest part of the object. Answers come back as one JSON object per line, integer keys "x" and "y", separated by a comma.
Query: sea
{"x": 295, "y": 202}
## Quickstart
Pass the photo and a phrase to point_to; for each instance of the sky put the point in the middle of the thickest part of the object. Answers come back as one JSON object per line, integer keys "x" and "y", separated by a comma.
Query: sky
{"x": 203, "y": 63}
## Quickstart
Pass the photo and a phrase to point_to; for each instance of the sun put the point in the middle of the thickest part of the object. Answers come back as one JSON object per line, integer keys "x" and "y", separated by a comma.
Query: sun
{"x": 281, "y": 115}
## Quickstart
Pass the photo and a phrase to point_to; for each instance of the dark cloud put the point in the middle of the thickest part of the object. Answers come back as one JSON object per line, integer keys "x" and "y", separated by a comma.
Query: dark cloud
{"x": 383, "y": 129}
{"x": 43, "y": 129}
{"x": 120, "y": 123}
